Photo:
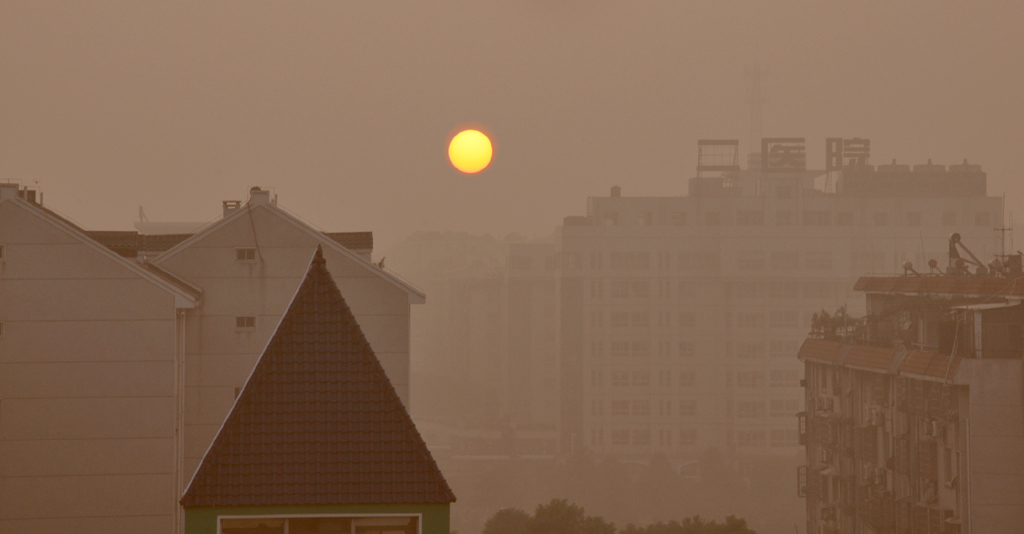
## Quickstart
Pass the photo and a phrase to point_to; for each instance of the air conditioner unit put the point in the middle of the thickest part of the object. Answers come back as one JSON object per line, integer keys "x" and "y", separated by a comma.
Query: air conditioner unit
{"x": 877, "y": 416}
{"x": 867, "y": 472}
{"x": 880, "y": 476}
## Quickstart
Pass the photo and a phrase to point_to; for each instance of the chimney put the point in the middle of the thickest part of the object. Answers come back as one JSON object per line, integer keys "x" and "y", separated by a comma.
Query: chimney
{"x": 258, "y": 197}
{"x": 231, "y": 206}
{"x": 616, "y": 191}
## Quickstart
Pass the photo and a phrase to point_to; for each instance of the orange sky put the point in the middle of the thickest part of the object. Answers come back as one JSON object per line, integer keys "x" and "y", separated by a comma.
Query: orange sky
{"x": 344, "y": 108}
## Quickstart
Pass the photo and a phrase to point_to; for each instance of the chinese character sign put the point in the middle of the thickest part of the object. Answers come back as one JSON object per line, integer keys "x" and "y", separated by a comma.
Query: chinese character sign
{"x": 780, "y": 154}
{"x": 841, "y": 153}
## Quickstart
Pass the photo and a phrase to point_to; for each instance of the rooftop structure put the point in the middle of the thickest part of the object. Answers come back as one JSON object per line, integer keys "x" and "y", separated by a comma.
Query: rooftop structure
{"x": 680, "y": 315}
{"x": 914, "y": 418}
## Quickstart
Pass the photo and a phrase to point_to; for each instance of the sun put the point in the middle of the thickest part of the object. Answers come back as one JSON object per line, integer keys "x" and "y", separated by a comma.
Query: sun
{"x": 470, "y": 151}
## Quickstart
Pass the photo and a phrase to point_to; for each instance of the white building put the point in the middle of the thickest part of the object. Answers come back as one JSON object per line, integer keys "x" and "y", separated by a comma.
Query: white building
{"x": 681, "y": 316}
{"x": 121, "y": 353}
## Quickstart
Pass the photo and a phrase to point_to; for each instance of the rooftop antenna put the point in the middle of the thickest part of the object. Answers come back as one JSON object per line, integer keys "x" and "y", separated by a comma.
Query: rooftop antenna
{"x": 756, "y": 99}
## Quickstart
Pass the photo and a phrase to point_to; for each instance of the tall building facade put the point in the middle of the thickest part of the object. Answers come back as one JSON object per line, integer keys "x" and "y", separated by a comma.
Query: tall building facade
{"x": 915, "y": 419}
{"x": 680, "y": 316}
{"x": 121, "y": 353}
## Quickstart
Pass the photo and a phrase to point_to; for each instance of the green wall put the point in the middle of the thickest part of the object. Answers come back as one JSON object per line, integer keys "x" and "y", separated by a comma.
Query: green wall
{"x": 203, "y": 520}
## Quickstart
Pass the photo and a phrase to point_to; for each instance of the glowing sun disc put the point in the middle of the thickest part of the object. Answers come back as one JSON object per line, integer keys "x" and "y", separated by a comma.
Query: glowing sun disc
{"x": 470, "y": 151}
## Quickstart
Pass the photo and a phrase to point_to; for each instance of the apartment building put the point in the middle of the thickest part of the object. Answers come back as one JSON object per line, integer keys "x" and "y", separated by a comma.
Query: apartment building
{"x": 122, "y": 353}
{"x": 914, "y": 419}
{"x": 680, "y": 316}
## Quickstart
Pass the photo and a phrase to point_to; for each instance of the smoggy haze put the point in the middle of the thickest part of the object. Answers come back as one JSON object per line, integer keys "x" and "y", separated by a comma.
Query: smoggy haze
{"x": 344, "y": 108}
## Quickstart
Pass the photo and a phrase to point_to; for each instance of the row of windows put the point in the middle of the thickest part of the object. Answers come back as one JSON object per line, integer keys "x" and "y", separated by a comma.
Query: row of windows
{"x": 778, "y": 348}
{"x": 687, "y": 437}
{"x": 709, "y": 261}
{"x": 787, "y": 378}
{"x": 756, "y": 409}
{"x": 810, "y": 218}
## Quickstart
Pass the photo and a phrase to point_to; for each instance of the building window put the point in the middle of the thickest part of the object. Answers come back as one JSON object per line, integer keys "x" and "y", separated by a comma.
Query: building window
{"x": 245, "y": 322}
{"x": 245, "y": 255}
{"x": 784, "y": 378}
{"x": 784, "y": 437}
{"x": 629, "y": 261}
{"x": 749, "y": 379}
{"x": 749, "y": 218}
{"x": 818, "y": 260}
{"x": 679, "y": 219}
{"x": 687, "y": 437}
{"x": 785, "y": 261}
{"x": 784, "y": 407}
{"x": 520, "y": 263}
{"x": 619, "y": 319}
{"x": 881, "y": 218}
{"x": 783, "y": 348}
{"x": 783, "y": 218}
{"x": 687, "y": 408}
{"x": 818, "y": 290}
{"x": 749, "y": 320}
{"x": 2, "y": 253}
{"x": 712, "y": 218}
{"x": 784, "y": 290}
{"x": 750, "y": 260}
{"x": 748, "y": 349}
{"x": 620, "y": 437}
{"x": 620, "y": 408}
{"x": 949, "y": 218}
{"x": 750, "y": 410}
{"x": 620, "y": 378}
{"x": 844, "y": 218}
{"x": 914, "y": 219}
{"x": 380, "y": 524}
{"x": 641, "y": 436}
{"x": 687, "y": 320}
{"x": 642, "y": 378}
{"x": 686, "y": 349}
{"x": 783, "y": 318}
{"x": 982, "y": 218}
{"x": 817, "y": 218}
{"x": 750, "y": 438}
{"x": 620, "y": 349}
{"x": 687, "y": 378}
{"x": 1, "y": 329}
{"x": 641, "y": 407}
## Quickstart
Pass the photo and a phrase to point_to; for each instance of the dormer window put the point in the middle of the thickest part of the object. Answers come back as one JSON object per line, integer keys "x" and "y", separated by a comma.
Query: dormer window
{"x": 245, "y": 322}
{"x": 245, "y": 255}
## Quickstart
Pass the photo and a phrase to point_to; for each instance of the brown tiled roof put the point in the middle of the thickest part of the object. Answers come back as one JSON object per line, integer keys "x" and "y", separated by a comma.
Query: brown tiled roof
{"x": 871, "y": 357}
{"x": 352, "y": 240}
{"x": 820, "y": 349}
{"x": 930, "y": 364}
{"x": 130, "y": 243}
{"x": 318, "y": 422}
{"x": 944, "y": 285}
{"x": 881, "y": 359}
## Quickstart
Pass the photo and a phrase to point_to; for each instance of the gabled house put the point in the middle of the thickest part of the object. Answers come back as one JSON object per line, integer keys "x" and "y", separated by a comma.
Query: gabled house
{"x": 91, "y": 349}
{"x": 318, "y": 439}
{"x": 249, "y": 264}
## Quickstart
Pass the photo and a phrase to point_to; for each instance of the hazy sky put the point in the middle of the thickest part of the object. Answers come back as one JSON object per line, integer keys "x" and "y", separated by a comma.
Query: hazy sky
{"x": 344, "y": 108}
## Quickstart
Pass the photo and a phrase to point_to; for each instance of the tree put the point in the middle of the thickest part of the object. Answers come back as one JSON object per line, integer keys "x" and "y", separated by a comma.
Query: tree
{"x": 507, "y": 521}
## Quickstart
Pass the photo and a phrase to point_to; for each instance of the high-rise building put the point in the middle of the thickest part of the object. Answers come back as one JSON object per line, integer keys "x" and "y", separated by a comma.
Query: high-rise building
{"x": 914, "y": 419}
{"x": 681, "y": 316}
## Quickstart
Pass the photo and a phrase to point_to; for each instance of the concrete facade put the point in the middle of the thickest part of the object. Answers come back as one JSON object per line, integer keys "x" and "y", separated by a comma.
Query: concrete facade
{"x": 89, "y": 381}
{"x": 918, "y": 428}
{"x": 116, "y": 372}
{"x": 680, "y": 316}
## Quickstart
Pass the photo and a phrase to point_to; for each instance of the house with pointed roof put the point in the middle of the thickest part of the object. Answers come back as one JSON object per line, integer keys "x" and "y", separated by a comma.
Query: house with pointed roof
{"x": 91, "y": 349}
{"x": 121, "y": 353}
{"x": 249, "y": 264}
{"x": 318, "y": 439}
